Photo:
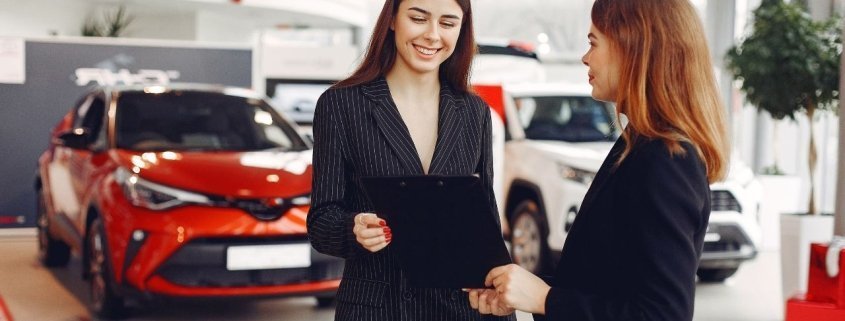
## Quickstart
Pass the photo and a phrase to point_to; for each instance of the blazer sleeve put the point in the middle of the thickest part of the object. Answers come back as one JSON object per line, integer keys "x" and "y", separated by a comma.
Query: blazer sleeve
{"x": 663, "y": 210}
{"x": 329, "y": 221}
{"x": 485, "y": 162}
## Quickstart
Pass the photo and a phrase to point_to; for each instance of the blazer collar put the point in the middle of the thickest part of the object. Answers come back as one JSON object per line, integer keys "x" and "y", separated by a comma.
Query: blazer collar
{"x": 391, "y": 125}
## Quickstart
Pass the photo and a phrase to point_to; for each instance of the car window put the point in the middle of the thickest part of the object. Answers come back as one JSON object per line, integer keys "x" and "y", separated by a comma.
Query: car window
{"x": 81, "y": 109}
{"x": 90, "y": 114}
{"x": 193, "y": 120}
{"x": 95, "y": 122}
{"x": 571, "y": 119}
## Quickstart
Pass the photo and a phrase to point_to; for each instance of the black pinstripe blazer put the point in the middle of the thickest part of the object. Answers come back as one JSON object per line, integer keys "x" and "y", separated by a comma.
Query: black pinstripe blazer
{"x": 359, "y": 132}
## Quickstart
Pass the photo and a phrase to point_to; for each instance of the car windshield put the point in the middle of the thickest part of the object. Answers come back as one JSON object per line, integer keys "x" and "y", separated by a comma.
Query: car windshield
{"x": 206, "y": 121}
{"x": 566, "y": 118}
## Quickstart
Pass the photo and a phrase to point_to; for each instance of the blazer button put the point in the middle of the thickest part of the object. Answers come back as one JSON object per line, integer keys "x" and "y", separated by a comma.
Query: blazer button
{"x": 407, "y": 295}
{"x": 402, "y": 184}
{"x": 440, "y": 183}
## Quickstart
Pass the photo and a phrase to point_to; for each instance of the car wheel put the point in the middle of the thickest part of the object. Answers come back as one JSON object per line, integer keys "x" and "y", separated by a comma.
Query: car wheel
{"x": 529, "y": 249}
{"x": 715, "y": 275}
{"x": 105, "y": 302}
{"x": 325, "y": 301}
{"x": 51, "y": 252}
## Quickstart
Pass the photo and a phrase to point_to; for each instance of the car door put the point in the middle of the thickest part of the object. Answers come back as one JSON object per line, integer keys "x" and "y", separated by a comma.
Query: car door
{"x": 62, "y": 186}
{"x": 85, "y": 164}
{"x": 70, "y": 169}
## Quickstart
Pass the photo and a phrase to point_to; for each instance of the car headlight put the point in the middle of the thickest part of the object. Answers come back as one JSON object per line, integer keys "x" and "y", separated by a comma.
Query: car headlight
{"x": 575, "y": 174}
{"x": 143, "y": 193}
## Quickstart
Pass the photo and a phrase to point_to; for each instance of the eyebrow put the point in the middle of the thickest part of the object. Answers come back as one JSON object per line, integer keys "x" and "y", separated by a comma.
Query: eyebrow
{"x": 420, "y": 10}
{"x": 592, "y": 36}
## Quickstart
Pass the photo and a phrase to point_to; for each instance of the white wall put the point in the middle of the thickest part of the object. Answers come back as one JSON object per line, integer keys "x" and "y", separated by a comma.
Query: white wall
{"x": 219, "y": 27}
{"x": 39, "y": 18}
{"x": 173, "y": 26}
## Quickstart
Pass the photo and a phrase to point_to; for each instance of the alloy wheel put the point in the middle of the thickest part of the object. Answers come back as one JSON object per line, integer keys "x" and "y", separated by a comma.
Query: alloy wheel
{"x": 526, "y": 241}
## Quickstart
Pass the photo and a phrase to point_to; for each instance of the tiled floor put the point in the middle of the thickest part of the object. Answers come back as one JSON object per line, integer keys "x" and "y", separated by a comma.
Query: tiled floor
{"x": 34, "y": 293}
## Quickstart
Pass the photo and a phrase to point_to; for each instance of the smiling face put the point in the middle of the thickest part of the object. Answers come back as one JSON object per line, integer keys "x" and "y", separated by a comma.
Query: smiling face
{"x": 604, "y": 66}
{"x": 426, "y": 32}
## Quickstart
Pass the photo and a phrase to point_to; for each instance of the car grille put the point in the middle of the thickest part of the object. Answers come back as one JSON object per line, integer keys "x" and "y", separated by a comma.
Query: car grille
{"x": 260, "y": 210}
{"x": 202, "y": 263}
{"x": 731, "y": 238}
{"x": 721, "y": 247}
{"x": 724, "y": 201}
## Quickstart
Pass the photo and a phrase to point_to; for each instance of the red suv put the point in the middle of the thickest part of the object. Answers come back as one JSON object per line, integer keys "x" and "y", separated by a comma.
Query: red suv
{"x": 181, "y": 191}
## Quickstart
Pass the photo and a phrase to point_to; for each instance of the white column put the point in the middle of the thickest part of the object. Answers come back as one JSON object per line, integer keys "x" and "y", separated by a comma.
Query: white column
{"x": 839, "y": 220}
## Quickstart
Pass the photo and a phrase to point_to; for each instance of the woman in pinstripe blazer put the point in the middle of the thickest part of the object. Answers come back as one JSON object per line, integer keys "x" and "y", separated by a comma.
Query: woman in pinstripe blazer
{"x": 407, "y": 110}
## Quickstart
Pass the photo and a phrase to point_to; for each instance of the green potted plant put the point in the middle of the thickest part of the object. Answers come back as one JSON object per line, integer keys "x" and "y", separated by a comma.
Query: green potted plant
{"x": 114, "y": 24}
{"x": 789, "y": 66}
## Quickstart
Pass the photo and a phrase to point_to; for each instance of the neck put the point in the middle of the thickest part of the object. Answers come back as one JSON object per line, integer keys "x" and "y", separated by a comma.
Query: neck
{"x": 407, "y": 83}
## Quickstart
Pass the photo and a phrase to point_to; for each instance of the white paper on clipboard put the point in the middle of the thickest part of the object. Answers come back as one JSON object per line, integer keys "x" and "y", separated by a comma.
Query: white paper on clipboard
{"x": 12, "y": 63}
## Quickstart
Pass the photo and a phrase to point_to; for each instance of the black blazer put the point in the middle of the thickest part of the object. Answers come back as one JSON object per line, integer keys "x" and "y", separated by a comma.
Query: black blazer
{"x": 634, "y": 247}
{"x": 359, "y": 132}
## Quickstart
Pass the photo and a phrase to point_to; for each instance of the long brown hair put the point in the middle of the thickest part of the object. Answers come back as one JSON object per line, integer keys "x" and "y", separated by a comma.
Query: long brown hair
{"x": 381, "y": 53}
{"x": 666, "y": 84}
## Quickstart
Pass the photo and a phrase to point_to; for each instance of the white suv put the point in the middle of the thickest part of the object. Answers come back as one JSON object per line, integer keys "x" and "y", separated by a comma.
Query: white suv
{"x": 556, "y": 139}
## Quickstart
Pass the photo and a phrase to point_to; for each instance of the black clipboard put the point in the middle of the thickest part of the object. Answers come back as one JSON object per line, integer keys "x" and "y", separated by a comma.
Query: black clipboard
{"x": 445, "y": 234}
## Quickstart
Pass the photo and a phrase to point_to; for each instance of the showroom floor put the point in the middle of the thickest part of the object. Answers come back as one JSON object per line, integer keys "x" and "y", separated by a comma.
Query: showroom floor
{"x": 34, "y": 293}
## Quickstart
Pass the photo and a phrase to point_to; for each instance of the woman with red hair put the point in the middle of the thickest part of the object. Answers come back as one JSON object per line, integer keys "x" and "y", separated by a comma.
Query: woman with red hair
{"x": 634, "y": 248}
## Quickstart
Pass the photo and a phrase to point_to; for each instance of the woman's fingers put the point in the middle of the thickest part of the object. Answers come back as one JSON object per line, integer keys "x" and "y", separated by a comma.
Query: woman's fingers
{"x": 370, "y": 220}
{"x": 372, "y": 241}
{"x": 483, "y": 304}
{"x": 473, "y": 299}
{"x": 371, "y": 232}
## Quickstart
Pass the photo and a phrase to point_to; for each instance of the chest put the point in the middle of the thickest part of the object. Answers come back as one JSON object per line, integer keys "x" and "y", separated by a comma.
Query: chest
{"x": 447, "y": 141}
{"x": 421, "y": 121}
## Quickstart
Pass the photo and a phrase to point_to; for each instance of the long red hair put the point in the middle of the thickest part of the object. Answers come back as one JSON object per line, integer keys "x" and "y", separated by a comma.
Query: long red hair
{"x": 381, "y": 53}
{"x": 666, "y": 86}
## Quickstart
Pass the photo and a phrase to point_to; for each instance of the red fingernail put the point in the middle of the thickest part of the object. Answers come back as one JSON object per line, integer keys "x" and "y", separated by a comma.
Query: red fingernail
{"x": 386, "y": 230}
{"x": 382, "y": 223}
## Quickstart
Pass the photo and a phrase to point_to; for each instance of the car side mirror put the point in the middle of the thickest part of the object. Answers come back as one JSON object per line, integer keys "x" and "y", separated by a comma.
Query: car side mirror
{"x": 76, "y": 138}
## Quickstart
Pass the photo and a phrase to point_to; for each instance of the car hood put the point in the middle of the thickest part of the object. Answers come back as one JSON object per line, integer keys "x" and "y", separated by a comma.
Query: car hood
{"x": 585, "y": 156}
{"x": 238, "y": 174}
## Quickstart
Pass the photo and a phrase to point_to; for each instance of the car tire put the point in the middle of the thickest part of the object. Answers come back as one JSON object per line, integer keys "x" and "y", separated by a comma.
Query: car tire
{"x": 52, "y": 252}
{"x": 325, "y": 301}
{"x": 715, "y": 275}
{"x": 105, "y": 302}
{"x": 528, "y": 246}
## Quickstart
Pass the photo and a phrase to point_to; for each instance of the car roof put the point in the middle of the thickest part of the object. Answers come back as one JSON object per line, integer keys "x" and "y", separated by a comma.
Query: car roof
{"x": 211, "y": 88}
{"x": 548, "y": 89}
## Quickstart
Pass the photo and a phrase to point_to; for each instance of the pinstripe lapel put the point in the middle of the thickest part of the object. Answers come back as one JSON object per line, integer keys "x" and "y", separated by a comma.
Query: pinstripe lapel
{"x": 449, "y": 128}
{"x": 390, "y": 124}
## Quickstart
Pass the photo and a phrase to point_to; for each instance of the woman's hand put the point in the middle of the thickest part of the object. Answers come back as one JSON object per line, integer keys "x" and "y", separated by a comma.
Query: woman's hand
{"x": 518, "y": 288}
{"x": 486, "y": 301}
{"x": 371, "y": 232}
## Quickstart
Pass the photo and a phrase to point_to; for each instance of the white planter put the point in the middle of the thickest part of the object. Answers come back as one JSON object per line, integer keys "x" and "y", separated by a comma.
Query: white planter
{"x": 797, "y": 232}
{"x": 780, "y": 194}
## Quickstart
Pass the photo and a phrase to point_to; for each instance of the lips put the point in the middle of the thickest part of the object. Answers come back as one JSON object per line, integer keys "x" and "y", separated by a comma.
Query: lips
{"x": 426, "y": 51}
